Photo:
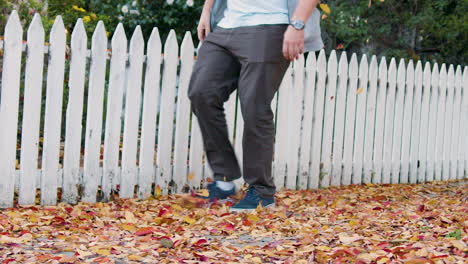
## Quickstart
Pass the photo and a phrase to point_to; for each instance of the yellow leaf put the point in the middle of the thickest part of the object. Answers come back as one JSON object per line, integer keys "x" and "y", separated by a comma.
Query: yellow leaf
{"x": 128, "y": 227}
{"x": 134, "y": 257}
{"x": 459, "y": 244}
{"x": 191, "y": 176}
{"x": 104, "y": 252}
{"x": 203, "y": 192}
{"x": 158, "y": 191}
{"x": 189, "y": 220}
{"x": 325, "y": 8}
{"x": 323, "y": 248}
{"x": 360, "y": 90}
{"x": 177, "y": 207}
{"x": 353, "y": 223}
{"x": 253, "y": 218}
{"x": 129, "y": 217}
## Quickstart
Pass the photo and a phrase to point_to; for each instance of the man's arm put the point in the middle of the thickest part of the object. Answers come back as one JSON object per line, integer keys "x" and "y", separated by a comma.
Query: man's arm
{"x": 293, "y": 44}
{"x": 204, "y": 24}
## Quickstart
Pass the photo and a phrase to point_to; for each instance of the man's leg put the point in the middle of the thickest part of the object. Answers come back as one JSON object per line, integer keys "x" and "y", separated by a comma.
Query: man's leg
{"x": 263, "y": 68}
{"x": 214, "y": 78}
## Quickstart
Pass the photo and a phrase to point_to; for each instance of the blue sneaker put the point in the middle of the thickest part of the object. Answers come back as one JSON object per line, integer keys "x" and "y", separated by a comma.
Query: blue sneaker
{"x": 252, "y": 200}
{"x": 217, "y": 194}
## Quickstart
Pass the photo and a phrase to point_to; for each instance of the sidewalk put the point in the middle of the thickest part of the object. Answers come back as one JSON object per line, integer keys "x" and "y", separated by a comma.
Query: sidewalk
{"x": 413, "y": 224}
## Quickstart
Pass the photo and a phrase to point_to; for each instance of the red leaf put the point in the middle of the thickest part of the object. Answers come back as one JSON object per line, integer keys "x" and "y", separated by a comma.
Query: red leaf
{"x": 144, "y": 231}
{"x": 201, "y": 242}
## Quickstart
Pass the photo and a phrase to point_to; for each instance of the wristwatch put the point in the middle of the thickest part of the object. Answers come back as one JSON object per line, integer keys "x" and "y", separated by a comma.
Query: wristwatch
{"x": 297, "y": 24}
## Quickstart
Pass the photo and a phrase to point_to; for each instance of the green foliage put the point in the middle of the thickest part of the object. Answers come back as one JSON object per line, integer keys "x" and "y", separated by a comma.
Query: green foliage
{"x": 415, "y": 29}
{"x": 149, "y": 14}
{"x": 431, "y": 30}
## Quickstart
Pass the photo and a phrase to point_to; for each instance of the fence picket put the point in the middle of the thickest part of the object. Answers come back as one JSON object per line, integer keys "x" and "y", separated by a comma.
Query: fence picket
{"x": 350, "y": 121}
{"x": 295, "y": 115}
{"x": 31, "y": 112}
{"x": 74, "y": 115}
{"x": 114, "y": 111}
{"x": 415, "y": 129}
{"x": 329, "y": 119}
{"x": 389, "y": 122}
{"x": 309, "y": 92}
{"x": 440, "y": 122}
{"x": 424, "y": 128}
{"x": 315, "y": 172}
{"x": 369, "y": 172}
{"x": 448, "y": 120}
{"x": 166, "y": 118}
{"x": 97, "y": 76}
{"x": 464, "y": 131}
{"x": 150, "y": 108}
{"x": 432, "y": 131}
{"x": 455, "y": 172}
{"x": 183, "y": 113}
{"x": 338, "y": 138}
{"x": 9, "y": 107}
{"x": 53, "y": 113}
{"x": 398, "y": 122}
{"x": 361, "y": 99}
{"x": 132, "y": 115}
{"x": 380, "y": 122}
{"x": 282, "y": 139}
{"x": 407, "y": 117}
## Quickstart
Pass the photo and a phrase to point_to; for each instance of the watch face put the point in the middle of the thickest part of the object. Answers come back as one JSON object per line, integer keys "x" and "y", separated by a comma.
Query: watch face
{"x": 298, "y": 24}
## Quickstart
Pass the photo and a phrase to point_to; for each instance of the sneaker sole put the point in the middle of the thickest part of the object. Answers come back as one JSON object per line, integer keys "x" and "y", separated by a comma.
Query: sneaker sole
{"x": 250, "y": 210}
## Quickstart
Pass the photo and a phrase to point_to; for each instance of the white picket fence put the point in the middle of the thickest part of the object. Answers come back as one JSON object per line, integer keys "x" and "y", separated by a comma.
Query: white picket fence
{"x": 338, "y": 122}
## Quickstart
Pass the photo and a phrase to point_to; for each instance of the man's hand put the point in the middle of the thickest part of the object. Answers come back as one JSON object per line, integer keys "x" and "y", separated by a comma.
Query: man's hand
{"x": 204, "y": 25}
{"x": 293, "y": 44}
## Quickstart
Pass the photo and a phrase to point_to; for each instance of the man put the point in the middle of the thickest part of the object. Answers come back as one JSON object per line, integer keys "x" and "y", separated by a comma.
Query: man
{"x": 250, "y": 49}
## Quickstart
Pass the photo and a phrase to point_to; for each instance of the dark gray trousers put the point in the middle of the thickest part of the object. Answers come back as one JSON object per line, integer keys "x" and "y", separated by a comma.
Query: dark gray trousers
{"x": 251, "y": 60}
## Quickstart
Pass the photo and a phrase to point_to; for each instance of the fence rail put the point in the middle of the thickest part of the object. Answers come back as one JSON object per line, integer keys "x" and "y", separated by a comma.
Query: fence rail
{"x": 337, "y": 121}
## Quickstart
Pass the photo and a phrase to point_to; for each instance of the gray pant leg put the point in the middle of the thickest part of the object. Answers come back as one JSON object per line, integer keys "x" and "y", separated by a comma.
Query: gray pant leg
{"x": 214, "y": 78}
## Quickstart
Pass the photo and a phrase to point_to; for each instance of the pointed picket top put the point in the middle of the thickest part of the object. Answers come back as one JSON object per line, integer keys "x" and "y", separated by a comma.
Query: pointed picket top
{"x": 99, "y": 38}
{"x": 443, "y": 77}
{"x": 450, "y": 76}
{"x": 383, "y": 69}
{"x": 322, "y": 62}
{"x": 332, "y": 60}
{"x": 57, "y": 33}
{"x": 410, "y": 73}
{"x": 311, "y": 60}
{"x": 458, "y": 79}
{"x": 119, "y": 39}
{"x": 187, "y": 47}
{"x": 392, "y": 69}
{"x": 401, "y": 73}
{"x": 35, "y": 29}
{"x": 171, "y": 46}
{"x": 427, "y": 75}
{"x": 418, "y": 77}
{"x": 363, "y": 67}
{"x": 13, "y": 28}
{"x": 154, "y": 43}
{"x": 343, "y": 64}
{"x": 373, "y": 69}
{"x": 435, "y": 76}
{"x": 353, "y": 66}
{"x": 137, "y": 42}
{"x": 79, "y": 38}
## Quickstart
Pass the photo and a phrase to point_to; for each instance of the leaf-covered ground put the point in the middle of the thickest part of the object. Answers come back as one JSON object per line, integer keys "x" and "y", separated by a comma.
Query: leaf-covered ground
{"x": 425, "y": 223}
